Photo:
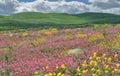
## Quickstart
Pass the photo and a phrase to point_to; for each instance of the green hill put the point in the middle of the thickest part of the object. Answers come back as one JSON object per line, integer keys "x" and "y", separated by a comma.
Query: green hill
{"x": 35, "y": 20}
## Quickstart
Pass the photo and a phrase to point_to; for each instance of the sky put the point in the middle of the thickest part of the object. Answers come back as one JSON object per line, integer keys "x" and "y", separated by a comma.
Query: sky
{"x": 85, "y": 1}
{"x": 8, "y": 7}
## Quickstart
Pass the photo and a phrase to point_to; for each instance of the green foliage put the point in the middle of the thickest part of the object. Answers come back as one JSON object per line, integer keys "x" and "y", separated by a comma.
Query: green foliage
{"x": 7, "y": 72}
{"x": 28, "y": 20}
{"x": 72, "y": 72}
{"x": 6, "y": 58}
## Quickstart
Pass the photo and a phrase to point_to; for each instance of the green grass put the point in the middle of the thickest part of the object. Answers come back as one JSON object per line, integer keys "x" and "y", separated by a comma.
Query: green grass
{"x": 44, "y": 20}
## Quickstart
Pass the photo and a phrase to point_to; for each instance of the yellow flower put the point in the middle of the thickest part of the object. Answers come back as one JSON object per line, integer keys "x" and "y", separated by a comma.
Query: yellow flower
{"x": 46, "y": 75}
{"x": 48, "y": 33}
{"x": 78, "y": 69}
{"x": 90, "y": 58}
{"x": 50, "y": 74}
{"x": 84, "y": 65}
{"x": 103, "y": 63}
{"x": 109, "y": 59}
{"x": 116, "y": 56}
{"x": 94, "y": 54}
{"x": 56, "y": 67}
{"x": 95, "y": 37}
{"x": 93, "y": 69}
{"x": 115, "y": 70}
{"x": 106, "y": 71}
{"x": 54, "y": 73}
{"x": 59, "y": 74}
{"x": 36, "y": 72}
{"x": 104, "y": 55}
{"x": 62, "y": 75}
{"x": 105, "y": 58}
{"x": 118, "y": 65}
{"x": 47, "y": 67}
{"x": 85, "y": 62}
{"x": 98, "y": 59}
{"x": 80, "y": 74}
{"x": 81, "y": 35}
{"x": 53, "y": 30}
{"x": 84, "y": 71}
{"x": 63, "y": 66}
{"x": 93, "y": 63}
{"x": 106, "y": 66}
{"x": 94, "y": 75}
{"x": 24, "y": 34}
{"x": 68, "y": 37}
{"x": 5, "y": 49}
{"x": 98, "y": 71}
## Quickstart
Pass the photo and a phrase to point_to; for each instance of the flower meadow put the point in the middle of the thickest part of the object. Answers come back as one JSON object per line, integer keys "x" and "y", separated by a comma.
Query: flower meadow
{"x": 46, "y": 52}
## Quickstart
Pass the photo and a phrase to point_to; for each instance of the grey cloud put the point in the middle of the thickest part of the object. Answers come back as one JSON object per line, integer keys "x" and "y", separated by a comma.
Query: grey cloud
{"x": 8, "y": 6}
{"x": 105, "y": 4}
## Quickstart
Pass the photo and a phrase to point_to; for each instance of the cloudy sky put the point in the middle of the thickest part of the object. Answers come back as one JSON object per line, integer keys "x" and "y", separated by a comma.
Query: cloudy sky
{"x": 8, "y": 7}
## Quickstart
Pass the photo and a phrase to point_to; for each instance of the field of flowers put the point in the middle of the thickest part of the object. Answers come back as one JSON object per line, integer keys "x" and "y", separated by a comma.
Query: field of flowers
{"x": 90, "y": 51}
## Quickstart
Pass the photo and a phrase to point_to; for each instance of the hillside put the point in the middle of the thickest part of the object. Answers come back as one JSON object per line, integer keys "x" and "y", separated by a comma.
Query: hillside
{"x": 35, "y": 19}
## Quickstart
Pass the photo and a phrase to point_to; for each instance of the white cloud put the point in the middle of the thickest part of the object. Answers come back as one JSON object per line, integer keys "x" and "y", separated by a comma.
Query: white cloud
{"x": 60, "y": 6}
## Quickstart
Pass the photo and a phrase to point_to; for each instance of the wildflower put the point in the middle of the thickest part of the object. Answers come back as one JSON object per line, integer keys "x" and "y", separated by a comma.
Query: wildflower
{"x": 59, "y": 74}
{"x": 50, "y": 74}
{"x": 94, "y": 54}
{"x": 115, "y": 70}
{"x": 117, "y": 65}
{"x": 105, "y": 58}
{"x": 106, "y": 71}
{"x": 78, "y": 69}
{"x": 109, "y": 59}
{"x": 93, "y": 63}
{"x": 48, "y": 33}
{"x": 47, "y": 67}
{"x": 95, "y": 37}
{"x": 90, "y": 58}
{"x": 63, "y": 66}
{"x": 24, "y": 34}
{"x": 98, "y": 59}
{"x": 62, "y": 75}
{"x": 98, "y": 71}
{"x": 106, "y": 66}
{"x": 36, "y": 72}
{"x": 94, "y": 75}
{"x": 56, "y": 67}
{"x": 46, "y": 75}
{"x": 81, "y": 35}
{"x": 84, "y": 71}
{"x": 93, "y": 69}
{"x": 79, "y": 74}
{"x": 104, "y": 55}
{"x": 85, "y": 62}
{"x": 84, "y": 65}
{"x": 103, "y": 63}
{"x": 116, "y": 56}
{"x": 53, "y": 30}
{"x": 54, "y": 74}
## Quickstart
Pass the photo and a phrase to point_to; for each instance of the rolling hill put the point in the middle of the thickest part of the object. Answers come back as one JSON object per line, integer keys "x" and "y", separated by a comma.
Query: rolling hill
{"x": 36, "y": 19}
